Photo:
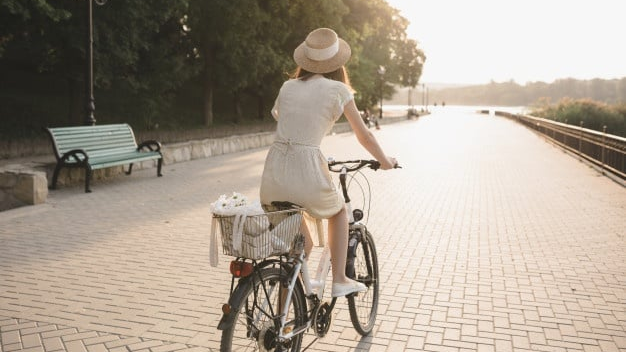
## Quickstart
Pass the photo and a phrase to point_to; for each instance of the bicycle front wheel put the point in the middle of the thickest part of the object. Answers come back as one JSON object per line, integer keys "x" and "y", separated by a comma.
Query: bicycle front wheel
{"x": 256, "y": 307}
{"x": 363, "y": 306}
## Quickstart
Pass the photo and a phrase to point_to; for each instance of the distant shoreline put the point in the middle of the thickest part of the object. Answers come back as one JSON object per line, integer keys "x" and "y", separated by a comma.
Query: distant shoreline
{"x": 511, "y": 109}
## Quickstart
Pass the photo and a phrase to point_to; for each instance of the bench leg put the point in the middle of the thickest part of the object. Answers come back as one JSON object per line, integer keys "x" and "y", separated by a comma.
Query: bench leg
{"x": 159, "y": 165}
{"x": 87, "y": 179}
{"x": 130, "y": 169}
{"x": 55, "y": 176}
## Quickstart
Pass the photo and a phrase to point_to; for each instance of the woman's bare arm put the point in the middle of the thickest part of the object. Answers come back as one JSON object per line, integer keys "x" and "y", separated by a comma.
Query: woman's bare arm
{"x": 365, "y": 137}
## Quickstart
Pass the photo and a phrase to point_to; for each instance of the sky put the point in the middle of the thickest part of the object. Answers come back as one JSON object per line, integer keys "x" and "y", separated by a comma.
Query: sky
{"x": 477, "y": 41}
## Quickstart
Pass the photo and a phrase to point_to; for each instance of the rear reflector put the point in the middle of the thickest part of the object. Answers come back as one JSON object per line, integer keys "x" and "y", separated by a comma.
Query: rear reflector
{"x": 240, "y": 269}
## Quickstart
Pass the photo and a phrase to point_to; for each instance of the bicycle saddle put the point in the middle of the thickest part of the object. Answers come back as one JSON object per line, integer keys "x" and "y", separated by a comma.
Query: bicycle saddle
{"x": 283, "y": 205}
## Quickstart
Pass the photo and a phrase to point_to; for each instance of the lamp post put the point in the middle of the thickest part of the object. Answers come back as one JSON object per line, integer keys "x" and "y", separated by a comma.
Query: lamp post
{"x": 409, "y": 98}
{"x": 90, "y": 106}
{"x": 381, "y": 73}
{"x": 423, "y": 96}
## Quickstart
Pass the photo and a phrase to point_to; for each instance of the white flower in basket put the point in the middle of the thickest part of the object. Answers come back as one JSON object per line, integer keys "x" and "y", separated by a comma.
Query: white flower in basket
{"x": 230, "y": 205}
{"x": 241, "y": 223}
{"x": 246, "y": 229}
{"x": 245, "y": 214}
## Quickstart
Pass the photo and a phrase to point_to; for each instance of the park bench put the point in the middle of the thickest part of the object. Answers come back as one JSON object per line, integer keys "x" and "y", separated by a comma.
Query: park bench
{"x": 98, "y": 147}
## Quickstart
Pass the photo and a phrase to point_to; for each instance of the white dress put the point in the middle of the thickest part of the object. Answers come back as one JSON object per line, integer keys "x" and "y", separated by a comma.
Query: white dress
{"x": 295, "y": 168}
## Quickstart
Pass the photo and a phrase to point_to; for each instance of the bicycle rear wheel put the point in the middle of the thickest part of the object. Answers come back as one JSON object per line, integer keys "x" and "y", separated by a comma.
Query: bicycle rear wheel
{"x": 363, "y": 306}
{"x": 255, "y": 311}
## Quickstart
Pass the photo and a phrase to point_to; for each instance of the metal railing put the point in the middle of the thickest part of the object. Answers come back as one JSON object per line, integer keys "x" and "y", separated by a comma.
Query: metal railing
{"x": 606, "y": 151}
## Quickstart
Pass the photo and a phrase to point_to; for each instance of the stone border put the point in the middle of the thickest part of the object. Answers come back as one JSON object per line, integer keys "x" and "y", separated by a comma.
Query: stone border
{"x": 27, "y": 184}
{"x": 22, "y": 187}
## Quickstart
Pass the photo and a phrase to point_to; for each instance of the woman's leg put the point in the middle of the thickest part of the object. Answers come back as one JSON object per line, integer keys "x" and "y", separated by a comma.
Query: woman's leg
{"x": 308, "y": 241}
{"x": 338, "y": 244}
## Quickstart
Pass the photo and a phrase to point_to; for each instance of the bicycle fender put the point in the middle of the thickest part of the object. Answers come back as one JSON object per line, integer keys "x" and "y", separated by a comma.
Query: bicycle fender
{"x": 226, "y": 321}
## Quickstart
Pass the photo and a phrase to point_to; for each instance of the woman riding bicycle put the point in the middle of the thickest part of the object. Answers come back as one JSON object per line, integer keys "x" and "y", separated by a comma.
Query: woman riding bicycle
{"x": 295, "y": 169}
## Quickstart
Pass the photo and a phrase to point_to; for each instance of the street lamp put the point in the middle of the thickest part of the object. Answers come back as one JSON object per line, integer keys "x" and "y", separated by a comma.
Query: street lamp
{"x": 381, "y": 73}
{"x": 90, "y": 106}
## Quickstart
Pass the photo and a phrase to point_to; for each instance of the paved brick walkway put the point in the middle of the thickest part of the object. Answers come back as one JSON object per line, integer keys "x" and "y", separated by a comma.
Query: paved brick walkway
{"x": 489, "y": 238}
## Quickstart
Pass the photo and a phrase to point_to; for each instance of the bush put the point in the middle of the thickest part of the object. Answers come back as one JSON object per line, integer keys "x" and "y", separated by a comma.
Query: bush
{"x": 594, "y": 115}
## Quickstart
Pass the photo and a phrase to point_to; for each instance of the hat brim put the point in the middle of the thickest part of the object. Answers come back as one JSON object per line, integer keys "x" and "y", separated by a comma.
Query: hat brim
{"x": 325, "y": 66}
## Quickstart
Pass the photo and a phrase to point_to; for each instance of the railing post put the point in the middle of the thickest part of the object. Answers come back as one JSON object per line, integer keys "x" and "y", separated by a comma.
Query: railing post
{"x": 580, "y": 141}
{"x": 565, "y": 136}
{"x": 603, "y": 144}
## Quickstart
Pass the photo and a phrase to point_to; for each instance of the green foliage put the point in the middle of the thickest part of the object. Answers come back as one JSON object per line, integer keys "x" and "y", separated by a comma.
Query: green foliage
{"x": 592, "y": 114}
{"x": 377, "y": 35}
{"x": 139, "y": 57}
{"x": 16, "y": 17}
{"x": 182, "y": 63}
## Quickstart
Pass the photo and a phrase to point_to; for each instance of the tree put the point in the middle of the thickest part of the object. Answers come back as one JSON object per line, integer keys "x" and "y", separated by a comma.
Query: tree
{"x": 378, "y": 37}
{"x": 151, "y": 58}
{"x": 19, "y": 18}
{"x": 409, "y": 61}
{"x": 245, "y": 46}
{"x": 137, "y": 54}
{"x": 220, "y": 31}
{"x": 140, "y": 52}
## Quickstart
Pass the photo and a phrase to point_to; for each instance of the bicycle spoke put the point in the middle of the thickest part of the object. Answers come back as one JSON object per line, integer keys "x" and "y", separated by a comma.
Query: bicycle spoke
{"x": 256, "y": 315}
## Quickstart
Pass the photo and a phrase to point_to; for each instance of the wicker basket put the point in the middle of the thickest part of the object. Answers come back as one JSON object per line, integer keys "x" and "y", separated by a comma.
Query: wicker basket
{"x": 259, "y": 236}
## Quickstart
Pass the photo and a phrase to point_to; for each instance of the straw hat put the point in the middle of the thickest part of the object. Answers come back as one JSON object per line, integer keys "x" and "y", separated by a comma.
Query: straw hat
{"x": 322, "y": 51}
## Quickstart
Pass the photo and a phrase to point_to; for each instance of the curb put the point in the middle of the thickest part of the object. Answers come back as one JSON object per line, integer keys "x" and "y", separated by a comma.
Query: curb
{"x": 27, "y": 183}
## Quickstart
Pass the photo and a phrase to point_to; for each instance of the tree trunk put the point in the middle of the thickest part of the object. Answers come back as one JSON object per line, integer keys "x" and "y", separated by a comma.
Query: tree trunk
{"x": 76, "y": 106}
{"x": 208, "y": 103}
{"x": 237, "y": 106}
{"x": 260, "y": 106}
{"x": 208, "y": 88}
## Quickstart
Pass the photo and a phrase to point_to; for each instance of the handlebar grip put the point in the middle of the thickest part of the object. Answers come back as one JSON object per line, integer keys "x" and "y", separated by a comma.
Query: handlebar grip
{"x": 356, "y": 164}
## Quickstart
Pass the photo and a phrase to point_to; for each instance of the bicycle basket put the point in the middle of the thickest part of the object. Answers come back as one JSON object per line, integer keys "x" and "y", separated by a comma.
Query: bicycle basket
{"x": 259, "y": 236}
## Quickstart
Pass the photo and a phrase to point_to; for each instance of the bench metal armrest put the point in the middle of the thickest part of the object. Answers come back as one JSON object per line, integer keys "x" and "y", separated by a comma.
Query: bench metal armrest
{"x": 79, "y": 156}
{"x": 152, "y": 145}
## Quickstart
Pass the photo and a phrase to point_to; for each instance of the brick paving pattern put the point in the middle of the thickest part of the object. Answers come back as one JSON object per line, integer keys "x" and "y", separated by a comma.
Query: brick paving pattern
{"x": 489, "y": 239}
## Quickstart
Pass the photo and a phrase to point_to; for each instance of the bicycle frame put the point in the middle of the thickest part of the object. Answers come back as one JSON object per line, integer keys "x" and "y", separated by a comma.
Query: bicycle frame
{"x": 314, "y": 287}
{"x": 342, "y": 180}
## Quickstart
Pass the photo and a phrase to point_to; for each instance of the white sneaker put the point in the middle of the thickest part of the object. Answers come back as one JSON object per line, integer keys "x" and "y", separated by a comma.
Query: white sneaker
{"x": 315, "y": 283}
{"x": 344, "y": 289}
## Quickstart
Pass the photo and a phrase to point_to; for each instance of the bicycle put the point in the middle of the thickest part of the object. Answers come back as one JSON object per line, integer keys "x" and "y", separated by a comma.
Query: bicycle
{"x": 276, "y": 300}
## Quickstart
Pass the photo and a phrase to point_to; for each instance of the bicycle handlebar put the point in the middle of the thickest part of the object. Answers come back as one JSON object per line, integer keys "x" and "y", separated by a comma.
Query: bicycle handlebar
{"x": 336, "y": 166}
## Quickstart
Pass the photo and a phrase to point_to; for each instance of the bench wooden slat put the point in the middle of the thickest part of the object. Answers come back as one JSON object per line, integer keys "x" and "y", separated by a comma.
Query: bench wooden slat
{"x": 97, "y": 147}
{"x": 89, "y": 148}
{"x": 91, "y": 138}
{"x": 100, "y": 163}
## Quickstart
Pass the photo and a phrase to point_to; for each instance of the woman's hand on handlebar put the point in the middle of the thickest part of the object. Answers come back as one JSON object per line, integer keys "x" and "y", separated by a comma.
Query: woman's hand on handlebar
{"x": 388, "y": 164}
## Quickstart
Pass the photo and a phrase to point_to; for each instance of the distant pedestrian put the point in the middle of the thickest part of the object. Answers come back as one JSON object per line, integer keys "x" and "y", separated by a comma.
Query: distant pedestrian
{"x": 376, "y": 123}
{"x": 367, "y": 117}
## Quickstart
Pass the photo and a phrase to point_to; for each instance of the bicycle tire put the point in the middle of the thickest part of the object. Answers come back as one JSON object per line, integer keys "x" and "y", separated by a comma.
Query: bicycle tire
{"x": 251, "y": 329}
{"x": 363, "y": 306}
